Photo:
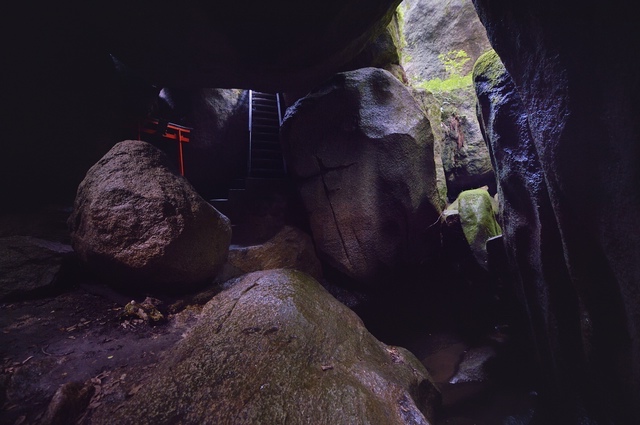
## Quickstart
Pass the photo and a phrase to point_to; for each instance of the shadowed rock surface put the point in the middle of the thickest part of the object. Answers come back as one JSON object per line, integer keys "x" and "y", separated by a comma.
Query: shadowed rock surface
{"x": 138, "y": 223}
{"x": 268, "y": 45}
{"x": 571, "y": 180}
{"x": 30, "y": 265}
{"x": 275, "y": 347}
{"x": 216, "y": 153}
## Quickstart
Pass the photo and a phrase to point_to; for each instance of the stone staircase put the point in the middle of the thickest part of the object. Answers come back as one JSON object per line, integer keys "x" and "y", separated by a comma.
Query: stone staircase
{"x": 255, "y": 205}
{"x": 265, "y": 151}
{"x": 258, "y": 210}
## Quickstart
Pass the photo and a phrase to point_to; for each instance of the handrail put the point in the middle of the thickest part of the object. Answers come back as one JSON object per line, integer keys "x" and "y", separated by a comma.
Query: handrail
{"x": 284, "y": 160}
{"x": 279, "y": 109}
{"x": 250, "y": 134}
{"x": 263, "y": 103}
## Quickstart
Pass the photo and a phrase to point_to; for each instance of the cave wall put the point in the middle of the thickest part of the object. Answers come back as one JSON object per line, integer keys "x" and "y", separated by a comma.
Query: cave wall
{"x": 574, "y": 67}
{"x": 64, "y": 105}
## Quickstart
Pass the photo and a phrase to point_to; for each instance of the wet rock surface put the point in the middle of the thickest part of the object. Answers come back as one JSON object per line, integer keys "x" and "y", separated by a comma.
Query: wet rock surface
{"x": 582, "y": 277}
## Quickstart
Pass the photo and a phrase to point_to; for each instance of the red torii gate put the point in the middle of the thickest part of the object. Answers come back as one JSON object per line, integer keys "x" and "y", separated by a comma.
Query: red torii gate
{"x": 171, "y": 131}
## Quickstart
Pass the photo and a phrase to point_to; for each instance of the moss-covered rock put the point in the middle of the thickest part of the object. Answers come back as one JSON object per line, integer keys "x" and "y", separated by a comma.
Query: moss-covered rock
{"x": 477, "y": 211}
{"x": 276, "y": 348}
{"x": 489, "y": 69}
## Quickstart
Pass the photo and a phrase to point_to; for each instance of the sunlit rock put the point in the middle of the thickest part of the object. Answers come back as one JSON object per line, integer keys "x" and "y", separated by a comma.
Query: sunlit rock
{"x": 477, "y": 212}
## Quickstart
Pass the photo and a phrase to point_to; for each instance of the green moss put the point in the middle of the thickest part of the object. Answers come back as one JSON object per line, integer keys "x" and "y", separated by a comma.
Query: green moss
{"x": 402, "y": 41}
{"x": 452, "y": 83}
{"x": 488, "y": 68}
{"x": 453, "y": 62}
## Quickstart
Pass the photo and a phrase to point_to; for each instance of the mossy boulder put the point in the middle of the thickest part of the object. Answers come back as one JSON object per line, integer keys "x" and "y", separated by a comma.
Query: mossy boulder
{"x": 477, "y": 211}
{"x": 276, "y": 348}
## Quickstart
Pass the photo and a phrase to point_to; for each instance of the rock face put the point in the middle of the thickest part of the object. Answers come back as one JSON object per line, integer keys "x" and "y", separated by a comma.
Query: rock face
{"x": 276, "y": 347}
{"x": 431, "y": 107}
{"x": 434, "y": 27}
{"x": 29, "y": 264}
{"x": 141, "y": 224}
{"x": 434, "y": 30}
{"x": 383, "y": 51}
{"x": 563, "y": 128}
{"x": 289, "y": 248}
{"x": 465, "y": 157}
{"x": 361, "y": 150}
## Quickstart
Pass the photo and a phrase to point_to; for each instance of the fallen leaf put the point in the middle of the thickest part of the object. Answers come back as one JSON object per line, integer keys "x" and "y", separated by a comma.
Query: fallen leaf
{"x": 134, "y": 390}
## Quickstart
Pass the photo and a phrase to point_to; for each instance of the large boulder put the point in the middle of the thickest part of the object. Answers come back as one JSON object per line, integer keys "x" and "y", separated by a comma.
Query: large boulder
{"x": 139, "y": 223}
{"x": 361, "y": 150}
{"x": 568, "y": 191}
{"x": 275, "y": 347}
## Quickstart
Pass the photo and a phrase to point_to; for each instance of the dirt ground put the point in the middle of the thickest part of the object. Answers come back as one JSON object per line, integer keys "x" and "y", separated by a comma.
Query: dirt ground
{"x": 79, "y": 336}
